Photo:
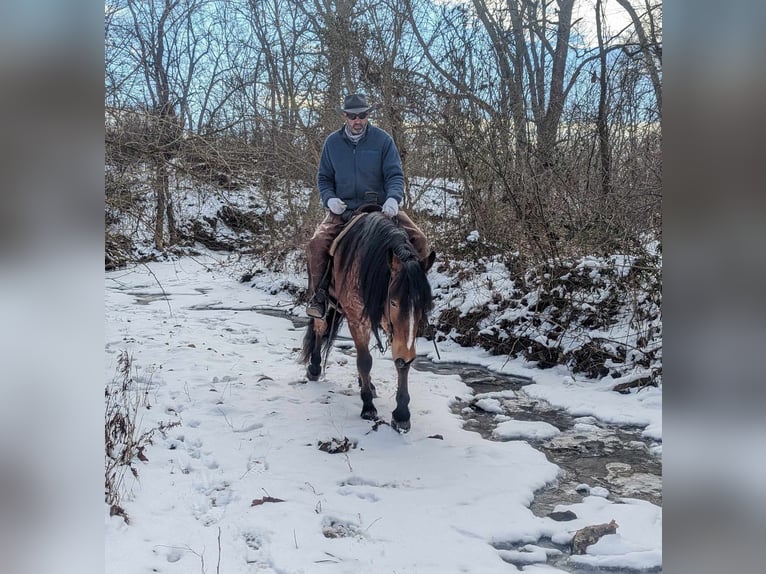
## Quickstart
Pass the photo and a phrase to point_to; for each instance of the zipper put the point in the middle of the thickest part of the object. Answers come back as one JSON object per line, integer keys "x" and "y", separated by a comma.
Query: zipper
{"x": 356, "y": 191}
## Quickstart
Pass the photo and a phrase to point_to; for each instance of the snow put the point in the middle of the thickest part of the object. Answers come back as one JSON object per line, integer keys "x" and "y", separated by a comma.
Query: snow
{"x": 241, "y": 424}
{"x": 489, "y": 405}
{"x": 532, "y": 430}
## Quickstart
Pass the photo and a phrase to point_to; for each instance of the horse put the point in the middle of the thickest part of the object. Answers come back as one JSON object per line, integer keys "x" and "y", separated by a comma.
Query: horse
{"x": 378, "y": 282}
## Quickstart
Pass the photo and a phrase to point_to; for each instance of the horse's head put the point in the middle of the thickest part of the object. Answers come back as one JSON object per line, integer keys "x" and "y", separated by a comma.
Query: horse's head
{"x": 409, "y": 301}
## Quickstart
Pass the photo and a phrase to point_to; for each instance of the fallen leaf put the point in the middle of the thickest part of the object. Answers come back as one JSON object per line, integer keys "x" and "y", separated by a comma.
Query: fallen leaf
{"x": 335, "y": 445}
{"x": 265, "y": 499}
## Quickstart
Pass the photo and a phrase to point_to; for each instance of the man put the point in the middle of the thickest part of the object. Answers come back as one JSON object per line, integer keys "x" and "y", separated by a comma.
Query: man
{"x": 360, "y": 164}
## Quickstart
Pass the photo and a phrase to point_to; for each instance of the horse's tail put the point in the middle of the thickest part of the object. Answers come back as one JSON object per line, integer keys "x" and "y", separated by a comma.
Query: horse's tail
{"x": 310, "y": 344}
{"x": 334, "y": 320}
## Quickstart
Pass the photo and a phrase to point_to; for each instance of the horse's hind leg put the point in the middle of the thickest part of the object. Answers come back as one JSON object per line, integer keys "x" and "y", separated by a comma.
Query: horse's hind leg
{"x": 361, "y": 335}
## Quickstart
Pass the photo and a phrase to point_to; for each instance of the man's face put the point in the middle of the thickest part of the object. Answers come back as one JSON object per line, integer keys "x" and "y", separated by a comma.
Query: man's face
{"x": 356, "y": 122}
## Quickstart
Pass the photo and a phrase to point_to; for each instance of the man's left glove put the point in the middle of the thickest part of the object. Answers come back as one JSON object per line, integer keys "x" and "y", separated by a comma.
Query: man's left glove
{"x": 391, "y": 207}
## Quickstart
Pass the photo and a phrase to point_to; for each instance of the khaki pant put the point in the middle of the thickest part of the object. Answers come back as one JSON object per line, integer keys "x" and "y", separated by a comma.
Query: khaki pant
{"x": 318, "y": 248}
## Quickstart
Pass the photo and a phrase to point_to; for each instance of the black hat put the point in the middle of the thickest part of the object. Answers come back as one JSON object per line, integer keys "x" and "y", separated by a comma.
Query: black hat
{"x": 355, "y": 104}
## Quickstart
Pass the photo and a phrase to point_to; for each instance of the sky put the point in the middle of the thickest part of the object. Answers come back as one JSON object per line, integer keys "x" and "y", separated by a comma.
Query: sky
{"x": 243, "y": 427}
{"x": 617, "y": 19}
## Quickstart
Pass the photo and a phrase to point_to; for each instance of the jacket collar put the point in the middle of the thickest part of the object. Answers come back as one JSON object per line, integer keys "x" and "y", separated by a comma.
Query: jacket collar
{"x": 342, "y": 132}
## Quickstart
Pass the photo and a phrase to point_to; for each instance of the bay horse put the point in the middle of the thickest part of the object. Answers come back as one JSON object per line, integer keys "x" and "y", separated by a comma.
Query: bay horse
{"x": 378, "y": 282}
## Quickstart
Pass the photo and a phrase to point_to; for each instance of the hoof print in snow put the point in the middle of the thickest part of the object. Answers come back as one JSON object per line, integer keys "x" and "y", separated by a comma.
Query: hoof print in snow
{"x": 590, "y": 535}
{"x": 437, "y": 436}
{"x": 336, "y": 445}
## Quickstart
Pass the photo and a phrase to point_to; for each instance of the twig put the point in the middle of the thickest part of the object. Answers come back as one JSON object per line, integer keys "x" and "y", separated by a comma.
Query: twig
{"x": 164, "y": 293}
{"x": 373, "y": 522}
{"x": 188, "y": 548}
{"x": 641, "y": 383}
{"x": 311, "y": 487}
{"x": 228, "y": 422}
{"x": 218, "y": 566}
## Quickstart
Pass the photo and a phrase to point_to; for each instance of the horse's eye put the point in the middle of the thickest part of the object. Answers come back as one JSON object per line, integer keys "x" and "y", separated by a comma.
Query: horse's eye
{"x": 394, "y": 303}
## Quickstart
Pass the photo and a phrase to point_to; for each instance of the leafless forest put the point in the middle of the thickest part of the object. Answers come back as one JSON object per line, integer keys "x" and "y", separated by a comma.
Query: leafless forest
{"x": 543, "y": 115}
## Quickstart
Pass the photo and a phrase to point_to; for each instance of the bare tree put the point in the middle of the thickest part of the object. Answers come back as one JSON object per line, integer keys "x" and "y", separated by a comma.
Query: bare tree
{"x": 649, "y": 43}
{"x": 551, "y": 141}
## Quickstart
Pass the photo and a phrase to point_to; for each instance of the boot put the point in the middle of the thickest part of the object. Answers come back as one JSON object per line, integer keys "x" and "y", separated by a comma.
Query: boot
{"x": 317, "y": 307}
{"x": 320, "y": 264}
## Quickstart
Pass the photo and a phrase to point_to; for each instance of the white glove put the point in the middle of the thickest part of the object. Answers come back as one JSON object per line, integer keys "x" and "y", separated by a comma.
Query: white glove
{"x": 336, "y": 205}
{"x": 391, "y": 207}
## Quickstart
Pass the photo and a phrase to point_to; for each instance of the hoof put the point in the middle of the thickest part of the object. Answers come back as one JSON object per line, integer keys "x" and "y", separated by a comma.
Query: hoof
{"x": 313, "y": 372}
{"x": 370, "y": 415}
{"x": 402, "y": 427}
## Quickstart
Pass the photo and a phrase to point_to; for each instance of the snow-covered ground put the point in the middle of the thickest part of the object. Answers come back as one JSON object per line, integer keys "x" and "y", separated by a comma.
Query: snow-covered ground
{"x": 242, "y": 428}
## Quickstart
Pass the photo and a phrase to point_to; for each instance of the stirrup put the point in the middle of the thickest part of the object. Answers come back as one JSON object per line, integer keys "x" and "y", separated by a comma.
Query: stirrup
{"x": 317, "y": 307}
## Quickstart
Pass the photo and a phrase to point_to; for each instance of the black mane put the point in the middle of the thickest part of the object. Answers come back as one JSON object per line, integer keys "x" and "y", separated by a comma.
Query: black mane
{"x": 373, "y": 242}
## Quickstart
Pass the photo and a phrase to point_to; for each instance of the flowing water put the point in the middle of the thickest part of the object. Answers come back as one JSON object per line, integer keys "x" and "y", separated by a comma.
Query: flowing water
{"x": 589, "y": 452}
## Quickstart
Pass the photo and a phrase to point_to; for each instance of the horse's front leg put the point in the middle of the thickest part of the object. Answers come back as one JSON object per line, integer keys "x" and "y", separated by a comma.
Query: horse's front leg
{"x": 361, "y": 335}
{"x": 312, "y": 348}
{"x": 401, "y": 416}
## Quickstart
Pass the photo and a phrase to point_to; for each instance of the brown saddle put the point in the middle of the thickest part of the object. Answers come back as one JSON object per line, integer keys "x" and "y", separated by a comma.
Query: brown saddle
{"x": 366, "y": 208}
{"x": 351, "y": 217}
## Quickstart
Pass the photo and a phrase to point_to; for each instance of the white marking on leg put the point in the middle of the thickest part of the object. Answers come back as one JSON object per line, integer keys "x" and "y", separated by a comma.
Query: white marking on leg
{"x": 411, "y": 337}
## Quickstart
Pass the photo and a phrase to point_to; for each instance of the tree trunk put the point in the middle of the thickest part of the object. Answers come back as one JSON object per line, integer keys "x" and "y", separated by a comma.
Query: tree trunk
{"x": 646, "y": 48}
{"x": 548, "y": 129}
{"x": 603, "y": 127}
{"x": 160, "y": 194}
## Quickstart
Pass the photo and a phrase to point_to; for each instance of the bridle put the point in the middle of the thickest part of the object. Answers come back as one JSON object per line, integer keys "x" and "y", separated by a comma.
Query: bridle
{"x": 390, "y": 332}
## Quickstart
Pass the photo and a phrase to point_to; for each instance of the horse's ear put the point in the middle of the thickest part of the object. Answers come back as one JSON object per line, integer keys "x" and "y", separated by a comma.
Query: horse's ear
{"x": 428, "y": 263}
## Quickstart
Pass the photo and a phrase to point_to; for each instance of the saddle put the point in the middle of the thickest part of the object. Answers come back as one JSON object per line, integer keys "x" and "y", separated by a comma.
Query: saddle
{"x": 350, "y": 218}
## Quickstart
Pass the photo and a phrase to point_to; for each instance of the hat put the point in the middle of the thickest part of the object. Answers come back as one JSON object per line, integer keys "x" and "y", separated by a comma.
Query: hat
{"x": 355, "y": 104}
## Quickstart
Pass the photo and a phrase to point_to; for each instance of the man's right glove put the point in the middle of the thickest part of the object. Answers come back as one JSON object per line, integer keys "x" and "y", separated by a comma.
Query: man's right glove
{"x": 391, "y": 207}
{"x": 336, "y": 205}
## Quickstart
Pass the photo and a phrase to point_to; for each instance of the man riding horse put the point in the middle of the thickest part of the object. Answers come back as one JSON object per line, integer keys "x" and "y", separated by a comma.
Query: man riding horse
{"x": 360, "y": 164}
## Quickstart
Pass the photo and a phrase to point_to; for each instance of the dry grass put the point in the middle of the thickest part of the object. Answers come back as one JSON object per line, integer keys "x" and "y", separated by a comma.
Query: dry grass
{"x": 124, "y": 439}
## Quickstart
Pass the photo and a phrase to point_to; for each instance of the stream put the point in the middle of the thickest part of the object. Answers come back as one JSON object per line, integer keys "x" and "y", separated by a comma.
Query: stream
{"x": 588, "y": 452}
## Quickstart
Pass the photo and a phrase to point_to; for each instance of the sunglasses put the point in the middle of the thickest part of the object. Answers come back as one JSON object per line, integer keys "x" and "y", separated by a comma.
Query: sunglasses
{"x": 360, "y": 116}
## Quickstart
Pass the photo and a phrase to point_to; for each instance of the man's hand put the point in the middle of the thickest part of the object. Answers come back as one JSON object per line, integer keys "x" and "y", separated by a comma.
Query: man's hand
{"x": 391, "y": 207}
{"x": 336, "y": 205}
